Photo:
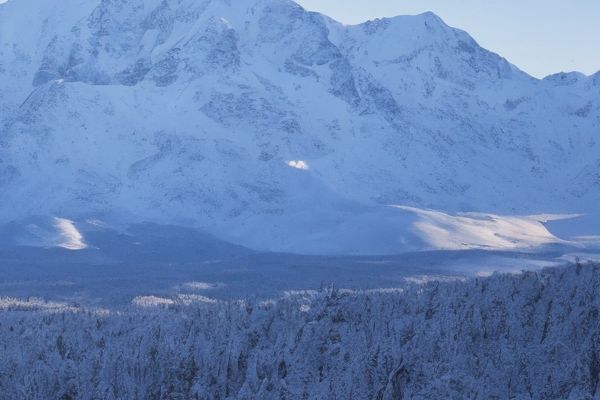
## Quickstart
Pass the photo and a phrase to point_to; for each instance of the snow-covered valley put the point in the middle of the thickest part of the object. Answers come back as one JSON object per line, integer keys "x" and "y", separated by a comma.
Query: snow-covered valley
{"x": 168, "y": 262}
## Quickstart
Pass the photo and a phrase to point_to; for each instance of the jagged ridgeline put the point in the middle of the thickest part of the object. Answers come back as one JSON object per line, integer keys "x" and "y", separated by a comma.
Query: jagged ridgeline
{"x": 271, "y": 126}
{"x": 534, "y": 335}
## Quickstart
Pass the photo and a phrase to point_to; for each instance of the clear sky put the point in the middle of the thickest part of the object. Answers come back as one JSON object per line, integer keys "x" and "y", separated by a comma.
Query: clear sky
{"x": 539, "y": 36}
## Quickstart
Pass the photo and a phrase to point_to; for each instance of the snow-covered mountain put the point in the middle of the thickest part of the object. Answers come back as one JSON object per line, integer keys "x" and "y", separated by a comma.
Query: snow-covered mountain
{"x": 281, "y": 129}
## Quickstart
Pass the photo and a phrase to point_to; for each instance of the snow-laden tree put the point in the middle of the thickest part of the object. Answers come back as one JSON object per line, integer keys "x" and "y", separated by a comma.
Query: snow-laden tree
{"x": 534, "y": 335}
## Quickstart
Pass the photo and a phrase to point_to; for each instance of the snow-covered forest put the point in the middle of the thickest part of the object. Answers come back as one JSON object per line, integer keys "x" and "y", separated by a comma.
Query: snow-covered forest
{"x": 534, "y": 335}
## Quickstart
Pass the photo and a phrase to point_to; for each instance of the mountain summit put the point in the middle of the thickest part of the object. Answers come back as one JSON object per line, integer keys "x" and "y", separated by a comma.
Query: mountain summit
{"x": 281, "y": 129}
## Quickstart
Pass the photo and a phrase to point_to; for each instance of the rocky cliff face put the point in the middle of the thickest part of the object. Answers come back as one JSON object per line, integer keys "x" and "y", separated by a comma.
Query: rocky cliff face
{"x": 275, "y": 127}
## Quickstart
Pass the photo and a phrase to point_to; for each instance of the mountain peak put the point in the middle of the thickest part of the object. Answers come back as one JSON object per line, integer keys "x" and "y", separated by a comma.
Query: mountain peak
{"x": 430, "y": 16}
{"x": 566, "y": 78}
{"x": 164, "y": 111}
{"x": 428, "y": 19}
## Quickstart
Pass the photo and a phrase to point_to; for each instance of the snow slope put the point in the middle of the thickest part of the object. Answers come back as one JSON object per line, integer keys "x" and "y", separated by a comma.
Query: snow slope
{"x": 281, "y": 129}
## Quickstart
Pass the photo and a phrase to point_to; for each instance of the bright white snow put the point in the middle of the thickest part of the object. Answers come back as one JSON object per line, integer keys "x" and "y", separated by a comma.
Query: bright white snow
{"x": 183, "y": 113}
{"x": 69, "y": 237}
{"x": 298, "y": 164}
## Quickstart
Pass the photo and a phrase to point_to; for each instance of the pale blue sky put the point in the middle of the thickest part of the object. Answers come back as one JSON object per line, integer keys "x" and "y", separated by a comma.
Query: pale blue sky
{"x": 539, "y": 36}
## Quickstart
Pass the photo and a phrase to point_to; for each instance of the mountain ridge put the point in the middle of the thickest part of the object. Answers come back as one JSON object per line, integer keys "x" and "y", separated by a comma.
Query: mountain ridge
{"x": 199, "y": 114}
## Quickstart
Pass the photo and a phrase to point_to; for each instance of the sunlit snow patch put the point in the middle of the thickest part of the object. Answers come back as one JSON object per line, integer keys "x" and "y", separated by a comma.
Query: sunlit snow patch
{"x": 298, "y": 164}
{"x": 69, "y": 237}
{"x": 183, "y": 299}
{"x": 152, "y": 301}
{"x": 48, "y": 232}
{"x": 34, "y": 304}
{"x": 190, "y": 299}
{"x": 201, "y": 286}
{"x": 482, "y": 231}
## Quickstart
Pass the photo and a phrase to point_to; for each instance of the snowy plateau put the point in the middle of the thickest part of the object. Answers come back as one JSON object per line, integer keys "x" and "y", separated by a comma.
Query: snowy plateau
{"x": 242, "y": 199}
